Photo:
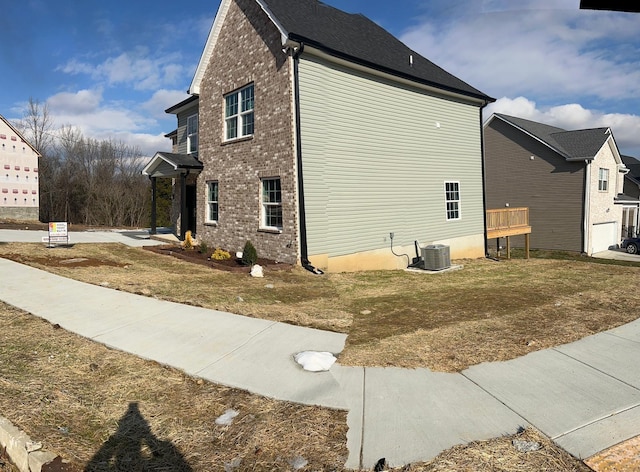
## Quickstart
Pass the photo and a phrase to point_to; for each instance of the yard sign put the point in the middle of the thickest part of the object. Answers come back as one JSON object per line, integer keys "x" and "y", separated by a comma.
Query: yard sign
{"x": 57, "y": 233}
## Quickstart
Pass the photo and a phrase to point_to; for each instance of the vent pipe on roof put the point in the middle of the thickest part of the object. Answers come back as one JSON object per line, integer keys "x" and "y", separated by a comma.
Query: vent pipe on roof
{"x": 411, "y": 60}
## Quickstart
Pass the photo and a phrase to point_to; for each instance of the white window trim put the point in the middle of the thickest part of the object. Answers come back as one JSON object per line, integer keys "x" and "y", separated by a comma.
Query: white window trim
{"x": 240, "y": 115}
{"x": 605, "y": 181}
{"x": 447, "y": 201}
{"x": 264, "y": 205}
{"x": 190, "y": 135}
{"x": 208, "y": 213}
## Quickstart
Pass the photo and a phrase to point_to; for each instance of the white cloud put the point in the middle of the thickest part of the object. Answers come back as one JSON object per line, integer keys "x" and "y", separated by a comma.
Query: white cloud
{"x": 137, "y": 68}
{"x": 163, "y": 99}
{"x": 78, "y": 103}
{"x": 520, "y": 49}
{"x": 625, "y": 127}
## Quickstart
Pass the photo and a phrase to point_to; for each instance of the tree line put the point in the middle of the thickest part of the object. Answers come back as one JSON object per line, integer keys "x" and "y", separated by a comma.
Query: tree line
{"x": 85, "y": 180}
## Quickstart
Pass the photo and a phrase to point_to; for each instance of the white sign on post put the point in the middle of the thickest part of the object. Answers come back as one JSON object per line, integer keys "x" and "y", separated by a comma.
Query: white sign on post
{"x": 57, "y": 233}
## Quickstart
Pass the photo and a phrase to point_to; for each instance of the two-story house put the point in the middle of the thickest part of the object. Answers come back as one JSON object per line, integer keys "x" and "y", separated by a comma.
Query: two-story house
{"x": 571, "y": 181}
{"x": 325, "y": 141}
{"x": 20, "y": 198}
{"x": 630, "y": 212}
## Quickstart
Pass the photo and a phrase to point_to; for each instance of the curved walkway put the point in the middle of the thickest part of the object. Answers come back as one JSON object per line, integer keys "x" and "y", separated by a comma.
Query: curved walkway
{"x": 584, "y": 395}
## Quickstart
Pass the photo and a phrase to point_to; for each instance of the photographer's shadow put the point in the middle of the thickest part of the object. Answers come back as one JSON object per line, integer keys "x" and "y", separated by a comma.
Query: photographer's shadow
{"x": 134, "y": 448}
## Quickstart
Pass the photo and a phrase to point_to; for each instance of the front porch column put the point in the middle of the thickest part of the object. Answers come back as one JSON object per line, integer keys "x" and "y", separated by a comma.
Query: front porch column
{"x": 154, "y": 196}
{"x": 183, "y": 205}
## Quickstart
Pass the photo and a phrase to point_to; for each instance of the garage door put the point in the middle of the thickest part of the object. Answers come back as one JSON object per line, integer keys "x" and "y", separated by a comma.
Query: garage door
{"x": 603, "y": 235}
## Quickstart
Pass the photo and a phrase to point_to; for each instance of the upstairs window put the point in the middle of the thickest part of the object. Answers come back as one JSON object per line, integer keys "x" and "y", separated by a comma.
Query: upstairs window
{"x": 603, "y": 179}
{"x": 238, "y": 113}
{"x": 271, "y": 204}
{"x": 192, "y": 134}
{"x": 212, "y": 202}
{"x": 452, "y": 199}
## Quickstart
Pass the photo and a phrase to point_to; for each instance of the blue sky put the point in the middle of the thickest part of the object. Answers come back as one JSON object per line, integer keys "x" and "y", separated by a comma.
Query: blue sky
{"x": 111, "y": 69}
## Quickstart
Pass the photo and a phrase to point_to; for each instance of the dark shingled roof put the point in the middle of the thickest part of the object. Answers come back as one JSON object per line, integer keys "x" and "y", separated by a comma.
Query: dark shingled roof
{"x": 181, "y": 161}
{"x": 633, "y": 165}
{"x": 358, "y": 39}
{"x": 578, "y": 144}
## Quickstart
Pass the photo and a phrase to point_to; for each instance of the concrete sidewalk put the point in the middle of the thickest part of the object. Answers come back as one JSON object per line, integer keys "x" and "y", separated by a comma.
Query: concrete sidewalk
{"x": 584, "y": 395}
{"x": 134, "y": 238}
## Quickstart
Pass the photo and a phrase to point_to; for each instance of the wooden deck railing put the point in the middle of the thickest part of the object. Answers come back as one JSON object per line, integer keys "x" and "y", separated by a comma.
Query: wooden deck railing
{"x": 506, "y": 222}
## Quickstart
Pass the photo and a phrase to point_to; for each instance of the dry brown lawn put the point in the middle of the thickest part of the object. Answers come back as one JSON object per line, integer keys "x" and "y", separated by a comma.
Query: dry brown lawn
{"x": 107, "y": 410}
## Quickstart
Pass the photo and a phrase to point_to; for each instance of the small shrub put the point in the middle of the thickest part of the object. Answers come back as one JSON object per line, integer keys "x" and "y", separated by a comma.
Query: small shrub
{"x": 188, "y": 241}
{"x": 203, "y": 248}
{"x": 249, "y": 254}
{"x": 220, "y": 255}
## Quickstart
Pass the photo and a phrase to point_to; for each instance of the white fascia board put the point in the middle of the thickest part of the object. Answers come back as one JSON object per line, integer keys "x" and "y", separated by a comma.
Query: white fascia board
{"x": 209, "y": 46}
{"x": 394, "y": 78}
{"x": 616, "y": 153}
{"x": 155, "y": 162}
{"x": 284, "y": 34}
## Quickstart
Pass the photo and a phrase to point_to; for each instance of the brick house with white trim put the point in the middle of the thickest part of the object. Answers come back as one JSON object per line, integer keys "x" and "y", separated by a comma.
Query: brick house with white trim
{"x": 317, "y": 135}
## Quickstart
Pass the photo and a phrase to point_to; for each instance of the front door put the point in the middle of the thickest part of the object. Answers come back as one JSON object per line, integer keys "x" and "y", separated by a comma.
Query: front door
{"x": 191, "y": 209}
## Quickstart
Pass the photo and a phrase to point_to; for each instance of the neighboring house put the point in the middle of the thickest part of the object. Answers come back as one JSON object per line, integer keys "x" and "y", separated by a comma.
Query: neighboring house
{"x": 319, "y": 135}
{"x": 20, "y": 198}
{"x": 571, "y": 181}
{"x": 631, "y": 213}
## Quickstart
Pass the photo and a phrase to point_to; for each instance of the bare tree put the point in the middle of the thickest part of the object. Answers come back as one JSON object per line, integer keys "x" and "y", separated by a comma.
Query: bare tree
{"x": 86, "y": 180}
{"x": 37, "y": 125}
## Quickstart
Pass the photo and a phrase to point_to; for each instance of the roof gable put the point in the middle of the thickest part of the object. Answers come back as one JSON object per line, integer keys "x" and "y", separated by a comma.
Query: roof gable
{"x": 351, "y": 37}
{"x": 633, "y": 165}
{"x": 168, "y": 164}
{"x": 572, "y": 145}
{"x": 19, "y": 134}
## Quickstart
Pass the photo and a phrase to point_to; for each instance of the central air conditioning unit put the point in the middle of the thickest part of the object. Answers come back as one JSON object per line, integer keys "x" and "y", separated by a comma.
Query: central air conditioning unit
{"x": 436, "y": 257}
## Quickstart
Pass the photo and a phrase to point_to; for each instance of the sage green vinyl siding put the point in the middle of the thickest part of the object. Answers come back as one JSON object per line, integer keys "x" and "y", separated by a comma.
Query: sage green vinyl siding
{"x": 375, "y": 161}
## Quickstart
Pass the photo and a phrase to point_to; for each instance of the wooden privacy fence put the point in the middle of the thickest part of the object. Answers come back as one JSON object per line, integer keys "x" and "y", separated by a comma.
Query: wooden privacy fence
{"x": 506, "y": 222}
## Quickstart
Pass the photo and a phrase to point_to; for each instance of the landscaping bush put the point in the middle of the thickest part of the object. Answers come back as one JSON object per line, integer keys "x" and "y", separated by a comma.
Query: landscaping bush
{"x": 220, "y": 255}
{"x": 188, "y": 241}
{"x": 249, "y": 254}
{"x": 203, "y": 248}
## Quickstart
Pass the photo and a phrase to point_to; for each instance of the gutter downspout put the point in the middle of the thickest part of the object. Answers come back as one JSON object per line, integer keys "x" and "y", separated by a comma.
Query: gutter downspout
{"x": 484, "y": 187}
{"x": 302, "y": 216}
{"x": 586, "y": 208}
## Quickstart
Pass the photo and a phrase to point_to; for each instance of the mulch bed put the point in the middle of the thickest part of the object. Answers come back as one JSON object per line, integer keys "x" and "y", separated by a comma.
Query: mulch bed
{"x": 197, "y": 257}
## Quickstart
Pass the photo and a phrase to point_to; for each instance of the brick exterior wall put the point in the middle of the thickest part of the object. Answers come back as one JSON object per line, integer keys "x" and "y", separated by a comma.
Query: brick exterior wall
{"x": 248, "y": 51}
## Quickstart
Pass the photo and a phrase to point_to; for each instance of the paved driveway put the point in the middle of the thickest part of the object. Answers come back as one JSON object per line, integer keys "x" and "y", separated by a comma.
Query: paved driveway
{"x": 618, "y": 254}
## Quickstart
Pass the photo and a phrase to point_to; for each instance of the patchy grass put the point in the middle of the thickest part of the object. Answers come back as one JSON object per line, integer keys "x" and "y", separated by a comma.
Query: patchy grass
{"x": 489, "y": 311}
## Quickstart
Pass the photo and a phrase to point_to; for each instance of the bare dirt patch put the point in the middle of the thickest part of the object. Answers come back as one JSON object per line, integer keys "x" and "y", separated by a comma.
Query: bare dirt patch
{"x": 196, "y": 256}
{"x": 62, "y": 261}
